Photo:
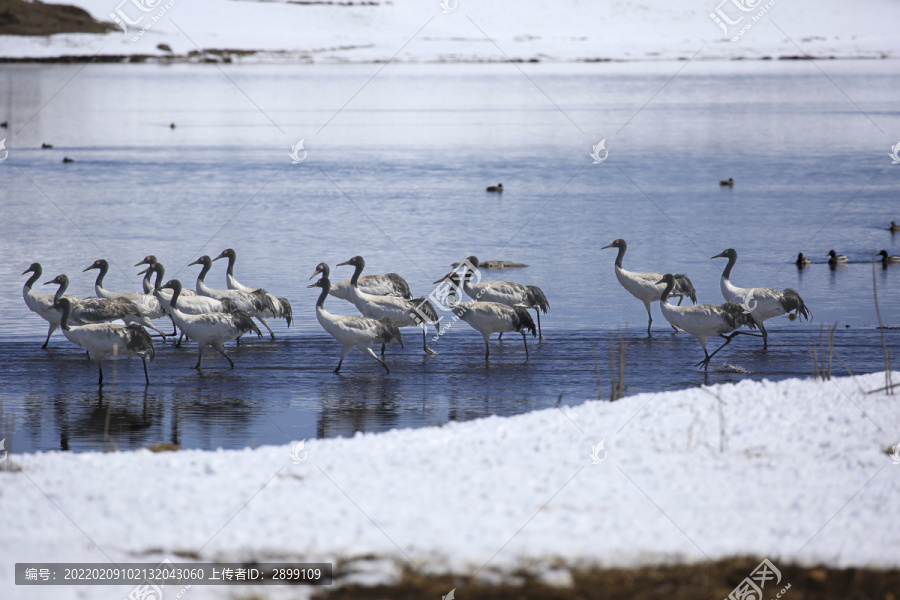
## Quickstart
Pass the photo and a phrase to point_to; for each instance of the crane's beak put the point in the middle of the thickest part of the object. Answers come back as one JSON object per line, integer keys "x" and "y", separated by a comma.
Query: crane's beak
{"x": 196, "y": 262}
{"x": 719, "y": 255}
{"x": 50, "y": 282}
{"x": 346, "y": 262}
{"x": 28, "y": 270}
{"x": 313, "y": 275}
{"x": 144, "y": 271}
{"x": 220, "y": 256}
{"x": 143, "y": 262}
{"x": 443, "y": 278}
{"x": 313, "y": 284}
{"x": 94, "y": 266}
{"x": 610, "y": 245}
{"x": 660, "y": 281}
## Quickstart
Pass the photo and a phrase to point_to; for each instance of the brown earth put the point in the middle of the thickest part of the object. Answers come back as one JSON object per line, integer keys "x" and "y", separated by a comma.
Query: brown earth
{"x": 707, "y": 581}
{"x": 36, "y": 18}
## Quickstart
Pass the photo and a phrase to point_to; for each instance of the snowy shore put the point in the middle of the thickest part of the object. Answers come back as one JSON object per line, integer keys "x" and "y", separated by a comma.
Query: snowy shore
{"x": 462, "y": 31}
{"x": 796, "y": 471}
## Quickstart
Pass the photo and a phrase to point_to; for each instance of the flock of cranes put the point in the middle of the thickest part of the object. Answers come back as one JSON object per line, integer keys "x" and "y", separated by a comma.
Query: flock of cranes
{"x": 212, "y": 317}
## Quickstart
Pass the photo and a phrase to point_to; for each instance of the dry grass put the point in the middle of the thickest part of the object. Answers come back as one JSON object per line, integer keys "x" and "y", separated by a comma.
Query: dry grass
{"x": 680, "y": 582}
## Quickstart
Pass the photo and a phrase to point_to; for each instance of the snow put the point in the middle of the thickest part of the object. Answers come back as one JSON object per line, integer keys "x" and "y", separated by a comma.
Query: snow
{"x": 796, "y": 471}
{"x": 412, "y": 30}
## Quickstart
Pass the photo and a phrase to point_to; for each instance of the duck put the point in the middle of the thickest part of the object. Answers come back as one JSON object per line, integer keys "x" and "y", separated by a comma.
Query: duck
{"x": 894, "y": 228}
{"x": 496, "y": 188}
{"x": 802, "y": 261}
{"x": 727, "y": 182}
{"x": 837, "y": 259}
{"x": 886, "y": 260}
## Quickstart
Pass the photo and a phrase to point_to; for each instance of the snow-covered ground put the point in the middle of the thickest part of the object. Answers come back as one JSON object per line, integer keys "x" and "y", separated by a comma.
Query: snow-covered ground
{"x": 796, "y": 471}
{"x": 487, "y": 30}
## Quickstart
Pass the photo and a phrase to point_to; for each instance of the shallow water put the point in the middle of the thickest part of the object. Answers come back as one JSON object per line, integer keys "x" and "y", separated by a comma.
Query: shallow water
{"x": 397, "y": 176}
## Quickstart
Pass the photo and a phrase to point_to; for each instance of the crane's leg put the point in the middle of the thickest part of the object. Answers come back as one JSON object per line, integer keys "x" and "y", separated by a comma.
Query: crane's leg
{"x": 344, "y": 352}
{"x": 382, "y": 351}
{"x": 765, "y": 334}
{"x": 100, "y": 366}
{"x": 199, "y": 357}
{"x": 49, "y": 333}
{"x": 728, "y": 339}
{"x": 221, "y": 350}
{"x": 174, "y": 328}
{"x": 537, "y": 311}
{"x": 368, "y": 351}
{"x": 263, "y": 321}
{"x": 487, "y": 346}
{"x": 525, "y": 340}
{"x": 146, "y": 375}
{"x": 424, "y": 342}
{"x": 649, "y": 317}
{"x": 500, "y": 337}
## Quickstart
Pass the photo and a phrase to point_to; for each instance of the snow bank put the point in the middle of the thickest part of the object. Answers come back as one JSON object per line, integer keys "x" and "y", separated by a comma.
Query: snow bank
{"x": 795, "y": 471}
{"x": 566, "y": 30}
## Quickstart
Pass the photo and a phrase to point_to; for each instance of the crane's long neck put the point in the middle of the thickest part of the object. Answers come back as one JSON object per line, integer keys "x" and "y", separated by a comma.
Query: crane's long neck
{"x": 230, "y": 270}
{"x": 160, "y": 272}
{"x": 620, "y": 256}
{"x": 726, "y": 274}
{"x": 62, "y": 288}
{"x": 670, "y": 285}
{"x": 359, "y": 269}
{"x": 34, "y": 277}
{"x": 145, "y": 282}
{"x": 176, "y": 291}
{"x": 206, "y": 267}
{"x": 103, "y": 268}
{"x": 64, "y": 319}
{"x": 326, "y": 287}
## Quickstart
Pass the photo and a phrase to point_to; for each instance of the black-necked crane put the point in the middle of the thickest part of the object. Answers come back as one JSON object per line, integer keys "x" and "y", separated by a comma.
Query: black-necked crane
{"x": 92, "y": 310}
{"x": 210, "y": 329}
{"x": 354, "y": 332}
{"x": 190, "y": 303}
{"x": 150, "y": 260}
{"x": 488, "y": 318}
{"x": 41, "y": 304}
{"x": 704, "y": 321}
{"x": 888, "y": 260}
{"x": 761, "y": 303}
{"x": 505, "y": 292}
{"x": 836, "y": 259}
{"x": 389, "y": 284}
{"x": 102, "y": 340}
{"x": 282, "y": 306}
{"x": 146, "y": 303}
{"x": 802, "y": 261}
{"x": 256, "y": 304}
{"x": 645, "y": 286}
{"x": 402, "y": 312}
